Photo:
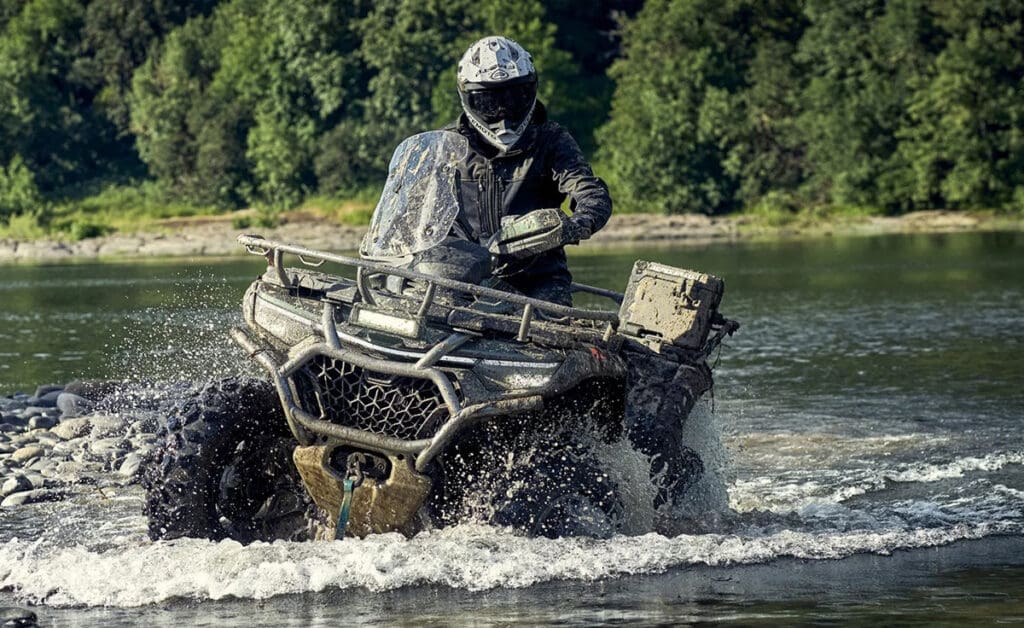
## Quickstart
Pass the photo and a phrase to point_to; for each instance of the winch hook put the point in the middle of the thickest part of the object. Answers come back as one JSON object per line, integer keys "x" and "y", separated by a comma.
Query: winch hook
{"x": 354, "y": 468}
{"x": 353, "y": 478}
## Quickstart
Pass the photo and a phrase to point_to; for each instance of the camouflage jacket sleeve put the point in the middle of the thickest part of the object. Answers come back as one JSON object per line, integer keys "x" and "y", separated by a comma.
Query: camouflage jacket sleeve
{"x": 589, "y": 202}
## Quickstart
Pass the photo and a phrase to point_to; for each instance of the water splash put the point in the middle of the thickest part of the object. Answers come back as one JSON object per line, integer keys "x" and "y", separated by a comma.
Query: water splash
{"x": 184, "y": 337}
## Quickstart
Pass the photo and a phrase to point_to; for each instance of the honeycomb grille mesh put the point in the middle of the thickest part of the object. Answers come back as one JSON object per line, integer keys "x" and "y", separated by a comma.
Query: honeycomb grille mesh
{"x": 400, "y": 407}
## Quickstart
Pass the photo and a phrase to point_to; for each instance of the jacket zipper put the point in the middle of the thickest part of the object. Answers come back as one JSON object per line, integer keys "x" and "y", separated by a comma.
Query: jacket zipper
{"x": 496, "y": 207}
{"x": 490, "y": 203}
{"x": 484, "y": 226}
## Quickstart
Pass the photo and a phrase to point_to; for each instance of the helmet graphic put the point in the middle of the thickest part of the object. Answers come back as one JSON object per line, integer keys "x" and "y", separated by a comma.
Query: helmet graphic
{"x": 498, "y": 89}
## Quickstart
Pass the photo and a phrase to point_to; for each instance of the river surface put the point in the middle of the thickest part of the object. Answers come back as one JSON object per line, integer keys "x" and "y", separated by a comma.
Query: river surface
{"x": 865, "y": 426}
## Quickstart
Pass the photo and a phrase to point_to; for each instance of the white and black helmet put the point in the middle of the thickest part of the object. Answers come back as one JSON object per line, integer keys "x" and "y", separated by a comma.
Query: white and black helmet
{"x": 498, "y": 89}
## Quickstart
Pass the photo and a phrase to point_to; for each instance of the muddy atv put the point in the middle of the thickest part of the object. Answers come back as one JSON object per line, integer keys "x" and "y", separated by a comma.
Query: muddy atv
{"x": 401, "y": 400}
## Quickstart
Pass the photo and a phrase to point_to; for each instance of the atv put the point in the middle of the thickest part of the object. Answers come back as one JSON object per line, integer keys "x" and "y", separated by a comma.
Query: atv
{"x": 402, "y": 397}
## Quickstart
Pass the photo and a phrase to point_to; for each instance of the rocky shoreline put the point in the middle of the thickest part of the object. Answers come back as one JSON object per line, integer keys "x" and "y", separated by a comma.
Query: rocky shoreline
{"x": 216, "y": 237}
{"x": 63, "y": 438}
{"x": 82, "y": 439}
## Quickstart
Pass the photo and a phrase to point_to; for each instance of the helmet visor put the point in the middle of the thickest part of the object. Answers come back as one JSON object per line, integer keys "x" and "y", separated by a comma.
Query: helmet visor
{"x": 510, "y": 103}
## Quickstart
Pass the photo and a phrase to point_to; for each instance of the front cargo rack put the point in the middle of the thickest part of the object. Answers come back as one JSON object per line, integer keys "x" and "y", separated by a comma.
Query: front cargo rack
{"x": 274, "y": 252}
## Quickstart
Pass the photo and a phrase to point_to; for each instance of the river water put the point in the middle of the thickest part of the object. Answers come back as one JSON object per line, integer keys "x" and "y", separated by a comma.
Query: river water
{"x": 865, "y": 425}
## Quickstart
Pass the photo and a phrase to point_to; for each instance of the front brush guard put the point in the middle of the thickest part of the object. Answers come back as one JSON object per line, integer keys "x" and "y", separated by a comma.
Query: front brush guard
{"x": 306, "y": 427}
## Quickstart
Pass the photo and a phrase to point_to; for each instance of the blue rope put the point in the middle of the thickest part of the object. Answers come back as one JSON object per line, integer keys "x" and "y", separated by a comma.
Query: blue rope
{"x": 346, "y": 507}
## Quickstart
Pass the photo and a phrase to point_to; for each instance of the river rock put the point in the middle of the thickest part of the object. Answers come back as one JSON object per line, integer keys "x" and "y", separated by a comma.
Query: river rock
{"x": 148, "y": 423}
{"x": 26, "y": 453}
{"x": 15, "y": 484}
{"x": 107, "y": 425}
{"x": 42, "y": 422}
{"x": 106, "y": 446}
{"x": 143, "y": 442}
{"x": 72, "y": 405}
{"x": 90, "y": 389}
{"x": 22, "y": 439}
{"x": 68, "y": 471}
{"x": 46, "y": 438}
{"x": 47, "y": 399}
{"x": 67, "y": 448}
{"x": 81, "y": 455}
{"x": 70, "y": 429}
{"x": 14, "y": 617}
{"x": 38, "y": 464}
{"x": 46, "y": 389}
{"x": 29, "y": 497}
{"x": 7, "y": 404}
{"x": 6, "y": 427}
{"x": 15, "y": 419}
{"x": 130, "y": 467}
{"x": 43, "y": 467}
{"x": 31, "y": 411}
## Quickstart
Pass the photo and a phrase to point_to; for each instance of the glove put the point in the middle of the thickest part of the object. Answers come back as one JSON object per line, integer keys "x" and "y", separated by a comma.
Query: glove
{"x": 534, "y": 233}
{"x": 573, "y": 232}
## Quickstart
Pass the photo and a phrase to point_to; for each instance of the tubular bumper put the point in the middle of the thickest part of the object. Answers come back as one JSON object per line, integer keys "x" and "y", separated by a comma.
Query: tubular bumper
{"x": 306, "y": 426}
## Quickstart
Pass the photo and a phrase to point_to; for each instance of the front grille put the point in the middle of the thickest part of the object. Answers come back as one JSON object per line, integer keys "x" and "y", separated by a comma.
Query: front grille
{"x": 400, "y": 407}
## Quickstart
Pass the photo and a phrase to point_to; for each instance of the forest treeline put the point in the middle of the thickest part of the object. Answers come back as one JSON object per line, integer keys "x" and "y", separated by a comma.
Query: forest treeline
{"x": 705, "y": 106}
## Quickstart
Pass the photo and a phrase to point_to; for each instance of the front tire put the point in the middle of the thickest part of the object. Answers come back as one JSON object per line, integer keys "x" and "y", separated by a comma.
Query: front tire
{"x": 225, "y": 469}
{"x": 562, "y": 492}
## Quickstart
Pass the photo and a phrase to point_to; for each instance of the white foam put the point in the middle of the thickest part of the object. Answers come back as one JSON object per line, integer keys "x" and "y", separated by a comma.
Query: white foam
{"x": 779, "y": 494}
{"x": 921, "y": 472}
{"x": 465, "y": 557}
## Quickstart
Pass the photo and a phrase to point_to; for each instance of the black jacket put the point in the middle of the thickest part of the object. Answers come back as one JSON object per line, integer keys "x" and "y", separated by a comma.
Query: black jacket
{"x": 544, "y": 167}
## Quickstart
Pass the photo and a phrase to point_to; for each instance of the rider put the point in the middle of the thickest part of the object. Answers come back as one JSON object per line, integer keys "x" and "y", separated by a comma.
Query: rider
{"x": 521, "y": 166}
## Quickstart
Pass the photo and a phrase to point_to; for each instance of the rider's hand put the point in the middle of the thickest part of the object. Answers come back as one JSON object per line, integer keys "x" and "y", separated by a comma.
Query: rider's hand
{"x": 573, "y": 232}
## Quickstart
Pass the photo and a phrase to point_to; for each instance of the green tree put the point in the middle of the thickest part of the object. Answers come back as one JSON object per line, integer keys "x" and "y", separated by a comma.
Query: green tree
{"x": 862, "y": 56}
{"x": 231, "y": 109}
{"x": 767, "y": 152}
{"x": 117, "y": 37}
{"x": 966, "y": 137}
{"x": 311, "y": 79}
{"x": 8, "y": 10}
{"x": 192, "y": 144}
{"x": 18, "y": 191}
{"x": 44, "y": 116}
{"x": 702, "y": 117}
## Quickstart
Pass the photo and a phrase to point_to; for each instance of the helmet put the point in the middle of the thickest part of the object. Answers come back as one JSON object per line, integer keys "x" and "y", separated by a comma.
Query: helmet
{"x": 498, "y": 89}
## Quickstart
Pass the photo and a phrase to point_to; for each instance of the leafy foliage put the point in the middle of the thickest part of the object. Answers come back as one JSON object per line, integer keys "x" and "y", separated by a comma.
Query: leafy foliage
{"x": 862, "y": 56}
{"x": 18, "y": 191}
{"x": 44, "y": 117}
{"x": 965, "y": 143}
{"x": 780, "y": 106}
{"x": 703, "y": 112}
{"x": 116, "y": 38}
{"x": 894, "y": 104}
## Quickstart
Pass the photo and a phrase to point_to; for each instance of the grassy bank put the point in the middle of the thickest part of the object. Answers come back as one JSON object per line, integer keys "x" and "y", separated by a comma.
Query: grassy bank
{"x": 142, "y": 209}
